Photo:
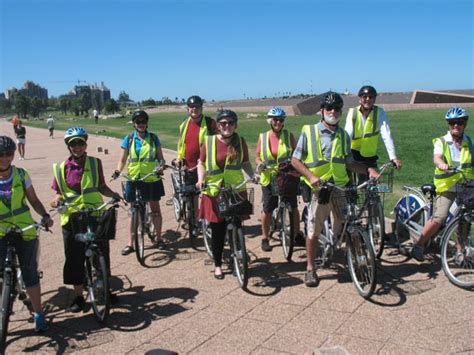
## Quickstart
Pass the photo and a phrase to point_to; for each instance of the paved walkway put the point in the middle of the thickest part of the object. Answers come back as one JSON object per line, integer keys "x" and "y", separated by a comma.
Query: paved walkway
{"x": 175, "y": 304}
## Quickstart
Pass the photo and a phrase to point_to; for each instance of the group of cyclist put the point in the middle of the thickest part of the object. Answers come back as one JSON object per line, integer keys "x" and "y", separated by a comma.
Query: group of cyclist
{"x": 216, "y": 155}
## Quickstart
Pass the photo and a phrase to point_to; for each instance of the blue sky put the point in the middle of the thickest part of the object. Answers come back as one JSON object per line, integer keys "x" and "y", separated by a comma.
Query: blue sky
{"x": 223, "y": 49}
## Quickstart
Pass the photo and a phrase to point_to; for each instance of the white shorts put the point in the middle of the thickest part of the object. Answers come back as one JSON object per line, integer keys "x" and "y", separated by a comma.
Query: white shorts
{"x": 20, "y": 140}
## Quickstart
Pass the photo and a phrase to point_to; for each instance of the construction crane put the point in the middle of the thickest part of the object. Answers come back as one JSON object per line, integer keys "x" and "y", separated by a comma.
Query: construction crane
{"x": 78, "y": 81}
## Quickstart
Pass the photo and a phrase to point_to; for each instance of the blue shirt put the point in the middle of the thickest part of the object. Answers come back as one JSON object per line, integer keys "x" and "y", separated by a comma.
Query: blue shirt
{"x": 138, "y": 142}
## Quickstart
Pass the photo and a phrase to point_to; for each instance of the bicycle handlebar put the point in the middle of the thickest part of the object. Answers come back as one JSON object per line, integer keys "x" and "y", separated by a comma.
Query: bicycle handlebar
{"x": 113, "y": 201}
{"x": 18, "y": 229}
{"x": 230, "y": 188}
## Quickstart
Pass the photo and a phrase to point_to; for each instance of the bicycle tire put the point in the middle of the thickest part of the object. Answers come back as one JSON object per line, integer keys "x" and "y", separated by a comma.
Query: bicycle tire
{"x": 287, "y": 232}
{"x": 207, "y": 234}
{"x": 139, "y": 234}
{"x": 361, "y": 263}
{"x": 460, "y": 274}
{"x": 150, "y": 226}
{"x": 190, "y": 221}
{"x": 7, "y": 305}
{"x": 98, "y": 285}
{"x": 377, "y": 221}
{"x": 239, "y": 256}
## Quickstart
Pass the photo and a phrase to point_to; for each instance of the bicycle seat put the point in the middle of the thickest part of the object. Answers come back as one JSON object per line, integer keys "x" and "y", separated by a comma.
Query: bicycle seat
{"x": 428, "y": 188}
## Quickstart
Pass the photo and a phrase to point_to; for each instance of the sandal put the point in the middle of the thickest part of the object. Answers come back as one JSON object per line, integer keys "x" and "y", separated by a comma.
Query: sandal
{"x": 127, "y": 250}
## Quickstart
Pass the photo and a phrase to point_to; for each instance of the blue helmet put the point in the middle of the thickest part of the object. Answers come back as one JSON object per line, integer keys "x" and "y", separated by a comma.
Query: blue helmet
{"x": 455, "y": 113}
{"x": 276, "y": 112}
{"x": 75, "y": 132}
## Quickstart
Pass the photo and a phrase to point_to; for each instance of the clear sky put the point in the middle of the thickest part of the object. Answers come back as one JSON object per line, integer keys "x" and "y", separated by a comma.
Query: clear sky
{"x": 229, "y": 49}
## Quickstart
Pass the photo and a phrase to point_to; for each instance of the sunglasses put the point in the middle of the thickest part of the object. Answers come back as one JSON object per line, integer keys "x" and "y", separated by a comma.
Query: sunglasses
{"x": 281, "y": 120}
{"x": 370, "y": 97}
{"x": 459, "y": 123}
{"x": 226, "y": 123}
{"x": 77, "y": 143}
{"x": 6, "y": 154}
{"x": 331, "y": 107}
{"x": 141, "y": 122}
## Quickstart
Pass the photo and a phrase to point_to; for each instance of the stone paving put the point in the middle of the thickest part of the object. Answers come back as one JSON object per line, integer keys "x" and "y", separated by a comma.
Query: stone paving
{"x": 174, "y": 304}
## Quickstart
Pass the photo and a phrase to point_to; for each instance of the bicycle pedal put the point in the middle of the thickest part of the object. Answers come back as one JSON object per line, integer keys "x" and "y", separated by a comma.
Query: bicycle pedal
{"x": 169, "y": 203}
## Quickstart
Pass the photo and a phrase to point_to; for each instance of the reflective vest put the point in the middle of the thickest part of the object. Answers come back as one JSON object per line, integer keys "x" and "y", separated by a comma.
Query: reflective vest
{"x": 443, "y": 180}
{"x": 333, "y": 169}
{"x": 89, "y": 196}
{"x": 183, "y": 129}
{"x": 139, "y": 166}
{"x": 365, "y": 138}
{"x": 18, "y": 213}
{"x": 283, "y": 155}
{"x": 216, "y": 177}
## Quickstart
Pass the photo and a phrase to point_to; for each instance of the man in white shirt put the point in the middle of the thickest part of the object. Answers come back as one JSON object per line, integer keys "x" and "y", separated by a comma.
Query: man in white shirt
{"x": 365, "y": 124}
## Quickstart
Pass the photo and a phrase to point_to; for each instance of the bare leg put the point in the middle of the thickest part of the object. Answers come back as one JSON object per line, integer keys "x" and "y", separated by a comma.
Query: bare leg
{"x": 429, "y": 230}
{"x": 266, "y": 217}
{"x": 156, "y": 218}
{"x": 34, "y": 293}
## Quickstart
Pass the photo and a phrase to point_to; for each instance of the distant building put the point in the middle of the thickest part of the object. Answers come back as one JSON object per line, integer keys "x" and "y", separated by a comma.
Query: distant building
{"x": 2, "y": 96}
{"x": 29, "y": 89}
{"x": 102, "y": 93}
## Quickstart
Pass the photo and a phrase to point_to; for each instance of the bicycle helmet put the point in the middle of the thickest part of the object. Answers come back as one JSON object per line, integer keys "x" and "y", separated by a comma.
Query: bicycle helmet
{"x": 226, "y": 114}
{"x": 194, "y": 101}
{"x": 276, "y": 112}
{"x": 75, "y": 133}
{"x": 456, "y": 113}
{"x": 367, "y": 90}
{"x": 139, "y": 114}
{"x": 331, "y": 98}
{"x": 7, "y": 144}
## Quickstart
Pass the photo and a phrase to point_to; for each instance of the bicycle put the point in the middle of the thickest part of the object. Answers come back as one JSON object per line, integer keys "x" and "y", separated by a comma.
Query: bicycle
{"x": 142, "y": 222}
{"x": 359, "y": 249}
{"x": 13, "y": 284}
{"x": 231, "y": 206}
{"x": 183, "y": 200}
{"x": 93, "y": 233}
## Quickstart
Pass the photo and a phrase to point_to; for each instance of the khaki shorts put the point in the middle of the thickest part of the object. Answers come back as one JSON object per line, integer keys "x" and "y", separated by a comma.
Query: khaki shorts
{"x": 317, "y": 213}
{"x": 441, "y": 206}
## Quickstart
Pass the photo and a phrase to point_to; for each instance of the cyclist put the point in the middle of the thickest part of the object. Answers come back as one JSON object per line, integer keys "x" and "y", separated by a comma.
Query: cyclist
{"x": 15, "y": 188}
{"x": 365, "y": 124}
{"x": 192, "y": 134}
{"x": 20, "y": 133}
{"x": 323, "y": 154}
{"x": 454, "y": 149}
{"x": 221, "y": 161}
{"x": 273, "y": 148}
{"x": 78, "y": 180}
{"x": 141, "y": 152}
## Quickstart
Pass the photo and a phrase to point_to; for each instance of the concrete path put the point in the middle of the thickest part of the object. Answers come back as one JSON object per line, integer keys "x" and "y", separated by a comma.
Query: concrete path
{"x": 175, "y": 304}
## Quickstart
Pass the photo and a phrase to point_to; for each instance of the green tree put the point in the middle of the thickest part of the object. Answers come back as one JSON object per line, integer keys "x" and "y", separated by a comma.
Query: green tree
{"x": 97, "y": 102}
{"x": 123, "y": 97}
{"x": 22, "y": 105}
{"x": 64, "y": 104}
{"x": 85, "y": 104}
{"x": 111, "y": 106}
{"x": 76, "y": 106}
{"x": 36, "y": 106}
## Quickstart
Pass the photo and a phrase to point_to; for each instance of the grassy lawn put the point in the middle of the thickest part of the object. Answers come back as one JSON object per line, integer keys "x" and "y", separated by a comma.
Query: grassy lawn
{"x": 412, "y": 131}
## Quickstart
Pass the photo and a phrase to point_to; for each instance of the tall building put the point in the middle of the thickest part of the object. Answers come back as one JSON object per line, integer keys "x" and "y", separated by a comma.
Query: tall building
{"x": 29, "y": 89}
{"x": 95, "y": 92}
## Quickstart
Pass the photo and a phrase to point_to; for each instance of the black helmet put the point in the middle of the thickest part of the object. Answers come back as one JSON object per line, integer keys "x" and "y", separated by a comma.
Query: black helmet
{"x": 226, "y": 114}
{"x": 139, "y": 114}
{"x": 194, "y": 101}
{"x": 367, "y": 90}
{"x": 331, "y": 98}
{"x": 7, "y": 144}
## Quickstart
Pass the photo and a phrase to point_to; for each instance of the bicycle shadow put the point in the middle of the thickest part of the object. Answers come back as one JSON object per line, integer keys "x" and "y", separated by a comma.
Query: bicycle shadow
{"x": 137, "y": 310}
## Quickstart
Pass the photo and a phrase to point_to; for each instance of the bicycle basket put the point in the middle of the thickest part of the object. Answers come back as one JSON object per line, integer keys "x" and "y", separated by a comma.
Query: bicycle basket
{"x": 465, "y": 193}
{"x": 287, "y": 180}
{"x": 384, "y": 183}
{"x": 235, "y": 204}
{"x": 107, "y": 225}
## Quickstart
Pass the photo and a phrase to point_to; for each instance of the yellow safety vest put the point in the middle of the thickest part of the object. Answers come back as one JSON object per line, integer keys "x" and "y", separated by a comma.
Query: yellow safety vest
{"x": 89, "y": 197}
{"x": 144, "y": 164}
{"x": 18, "y": 213}
{"x": 333, "y": 169}
{"x": 216, "y": 177}
{"x": 365, "y": 137}
{"x": 283, "y": 155}
{"x": 444, "y": 181}
{"x": 183, "y": 129}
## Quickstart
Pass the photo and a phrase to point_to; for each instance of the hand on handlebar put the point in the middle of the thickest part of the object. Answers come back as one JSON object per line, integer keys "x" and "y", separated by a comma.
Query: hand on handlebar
{"x": 315, "y": 181}
{"x": 46, "y": 221}
{"x": 397, "y": 164}
{"x": 443, "y": 166}
{"x": 115, "y": 175}
{"x": 373, "y": 174}
{"x": 200, "y": 185}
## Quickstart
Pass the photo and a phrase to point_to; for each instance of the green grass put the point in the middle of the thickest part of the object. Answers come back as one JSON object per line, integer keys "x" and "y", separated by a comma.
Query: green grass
{"x": 412, "y": 131}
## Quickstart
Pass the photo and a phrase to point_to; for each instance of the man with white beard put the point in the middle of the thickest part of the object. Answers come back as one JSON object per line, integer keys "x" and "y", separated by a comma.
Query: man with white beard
{"x": 323, "y": 154}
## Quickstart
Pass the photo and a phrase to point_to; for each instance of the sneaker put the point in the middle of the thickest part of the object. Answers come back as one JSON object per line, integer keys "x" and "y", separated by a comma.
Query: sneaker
{"x": 417, "y": 253}
{"x": 299, "y": 239}
{"x": 266, "y": 245}
{"x": 127, "y": 250}
{"x": 459, "y": 258}
{"x": 311, "y": 279}
{"x": 77, "y": 305}
{"x": 40, "y": 323}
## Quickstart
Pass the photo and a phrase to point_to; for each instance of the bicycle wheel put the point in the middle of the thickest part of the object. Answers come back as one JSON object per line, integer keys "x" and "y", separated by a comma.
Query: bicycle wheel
{"x": 457, "y": 253}
{"x": 361, "y": 262}
{"x": 287, "y": 232}
{"x": 150, "y": 226}
{"x": 239, "y": 256}
{"x": 207, "y": 233}
{"x": 7, "y": 305}
{"x": 139, "y": 234}
{"x": 377, "y": 221}
{"x": 98, "y": 285}
{"x": 190, "y": 220}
